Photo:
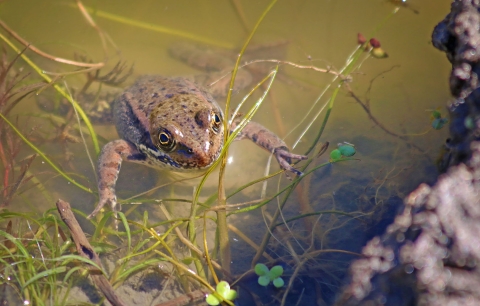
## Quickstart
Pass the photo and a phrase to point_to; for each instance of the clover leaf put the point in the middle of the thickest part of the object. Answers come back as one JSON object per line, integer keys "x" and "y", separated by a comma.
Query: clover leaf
{"x": 269, "y": 275}
{"x": 223, "y": 289}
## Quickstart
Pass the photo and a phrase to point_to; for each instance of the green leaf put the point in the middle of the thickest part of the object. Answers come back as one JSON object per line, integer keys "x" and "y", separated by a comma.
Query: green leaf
{"x": 42, "y": 155}
{"x": 43, "y": 274}
{"x": 436, "y": 114}
{"x": 335, "y": 155}
{"x": 230, "y": 295}
{"x": 347, "y": 150}
{"x": 187, "y": 260}
{"x": 278, "y": 282}
{"x": 439, "y": 123}
{"x": 275, "y": 272}
{"x": 223, "y": 288}
{"x": 261, "y": 269}
{"x": 264, "y": 280}
{"x": 212, "y": 300}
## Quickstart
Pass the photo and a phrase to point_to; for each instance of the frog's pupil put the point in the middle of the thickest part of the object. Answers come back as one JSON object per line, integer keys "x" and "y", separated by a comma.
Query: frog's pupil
{"x": 164, "y": 138}
{"x": 216, "y": 123}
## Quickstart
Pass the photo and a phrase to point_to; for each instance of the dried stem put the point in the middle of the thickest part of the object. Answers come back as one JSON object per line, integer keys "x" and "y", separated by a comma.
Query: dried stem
{"x": 46, "y": 55}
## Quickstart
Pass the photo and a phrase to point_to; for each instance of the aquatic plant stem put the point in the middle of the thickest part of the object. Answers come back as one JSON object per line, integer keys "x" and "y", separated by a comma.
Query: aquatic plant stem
{"x": 268, "y": 234}
{"x": 205, "y": 247}
{"x": 60, "y": 90}
{"x": 222, "y": 229}
{"x": 152, "y": 27}
{"x": 31, "y": 145}
{"x": 230, "y": 139}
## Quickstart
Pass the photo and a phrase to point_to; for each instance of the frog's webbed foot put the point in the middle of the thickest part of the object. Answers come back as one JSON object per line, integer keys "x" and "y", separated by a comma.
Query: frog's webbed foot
{"x": 284, "y": 158}
{"x": 107, "y": 197}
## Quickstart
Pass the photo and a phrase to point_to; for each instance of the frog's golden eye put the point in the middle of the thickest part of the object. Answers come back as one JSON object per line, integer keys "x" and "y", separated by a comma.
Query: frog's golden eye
{"x": 216, "y": 122}
{"x": 165, "y": 140}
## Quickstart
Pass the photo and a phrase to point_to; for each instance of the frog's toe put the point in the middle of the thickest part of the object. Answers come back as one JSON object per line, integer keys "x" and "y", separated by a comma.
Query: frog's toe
{"x": 284, "y": 158}
{"x": 112, "y": 201}
{"x": 286, "y": 166}
{"x": 286, "y": 154}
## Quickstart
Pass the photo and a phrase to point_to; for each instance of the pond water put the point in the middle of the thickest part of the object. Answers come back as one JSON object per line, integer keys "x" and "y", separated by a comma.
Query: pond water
{"x": 396, "y": 146}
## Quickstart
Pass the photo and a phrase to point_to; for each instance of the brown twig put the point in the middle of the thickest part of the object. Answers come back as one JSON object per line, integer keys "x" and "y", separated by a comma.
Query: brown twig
{"x": 86, "y": 250}
{"x": 103, "y": 35}
{"x": 46, "y": 55}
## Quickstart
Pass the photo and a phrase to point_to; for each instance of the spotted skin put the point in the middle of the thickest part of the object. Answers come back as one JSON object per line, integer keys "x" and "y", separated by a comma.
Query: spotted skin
{"x": 270, "y": 142}
{"x": 175, "y": 124}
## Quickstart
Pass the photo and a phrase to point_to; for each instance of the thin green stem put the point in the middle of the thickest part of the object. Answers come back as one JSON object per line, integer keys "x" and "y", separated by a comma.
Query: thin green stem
{"x": 31, "y": 145}
{"x": 154, "y": 27}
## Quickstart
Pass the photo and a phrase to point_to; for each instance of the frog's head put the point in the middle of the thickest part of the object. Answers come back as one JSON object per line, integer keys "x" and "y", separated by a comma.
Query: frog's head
{"x": 188, "y": 130}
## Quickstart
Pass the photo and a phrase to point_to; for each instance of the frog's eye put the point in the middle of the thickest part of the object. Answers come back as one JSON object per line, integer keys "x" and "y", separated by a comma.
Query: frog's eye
{"x": 216, "y": 122}
{"x": 165, "y": 140}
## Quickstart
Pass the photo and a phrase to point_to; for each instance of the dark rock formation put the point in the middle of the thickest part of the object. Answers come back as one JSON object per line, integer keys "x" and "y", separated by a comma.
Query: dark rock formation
{"x": 430, "y": 255}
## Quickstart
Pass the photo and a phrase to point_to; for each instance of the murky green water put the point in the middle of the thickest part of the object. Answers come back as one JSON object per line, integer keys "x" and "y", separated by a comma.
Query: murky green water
{"x": 413, "y": 79}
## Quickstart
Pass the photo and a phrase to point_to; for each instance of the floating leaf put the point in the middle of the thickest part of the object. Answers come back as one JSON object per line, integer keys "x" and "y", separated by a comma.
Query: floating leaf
{"x": 230, "y": 295}
{"x": 335, "y": 155}
{"x": 212, "y": 300}
{"x": 275, "y": 272}
{"x": 264, "y": 280}
{"x": 347, "y": 150}
{"x": 267, "y": 275}
{"x": 261, "y": 269}
{"x": 436, "y": 114}
{"x": 223, "y": 287}
{"x": 278, "y": 282}
{"x": 439, "y": 123}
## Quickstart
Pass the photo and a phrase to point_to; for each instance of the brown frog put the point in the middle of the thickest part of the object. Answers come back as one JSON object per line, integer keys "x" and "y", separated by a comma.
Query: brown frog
{"x": 176, "y": 124}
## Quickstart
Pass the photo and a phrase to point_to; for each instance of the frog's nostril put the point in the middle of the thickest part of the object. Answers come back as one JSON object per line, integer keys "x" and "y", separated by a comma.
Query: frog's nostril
{"x": 190, "y": 151}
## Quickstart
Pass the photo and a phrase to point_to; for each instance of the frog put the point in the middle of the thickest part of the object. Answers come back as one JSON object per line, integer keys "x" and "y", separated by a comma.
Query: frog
{"x": 173, "y": 123}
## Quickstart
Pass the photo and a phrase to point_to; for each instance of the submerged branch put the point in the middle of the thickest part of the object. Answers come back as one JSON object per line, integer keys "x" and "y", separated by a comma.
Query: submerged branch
{"x": 86, "y": 250}
{"x": 366, "y": 108}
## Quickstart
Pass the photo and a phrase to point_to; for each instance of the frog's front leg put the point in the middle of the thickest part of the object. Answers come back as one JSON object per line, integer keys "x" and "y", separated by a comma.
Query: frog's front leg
{"x": 111, "y": 157}
{"x": 268, "y": 140}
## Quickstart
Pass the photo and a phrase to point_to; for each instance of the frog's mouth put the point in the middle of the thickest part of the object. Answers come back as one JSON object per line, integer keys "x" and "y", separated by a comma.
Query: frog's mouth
{"x": 181, "y": 158}
{"x": 196, "y": 156}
